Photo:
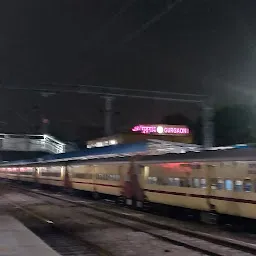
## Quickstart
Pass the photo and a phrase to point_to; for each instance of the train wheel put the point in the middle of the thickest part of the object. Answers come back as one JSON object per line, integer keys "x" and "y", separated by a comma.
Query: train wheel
{"x": 120, "y": 200}
{"x": 139, "y": 204}
{"x": 209, "y": 217}
{"x": 146, "y": 206}
{"x": 128, "y": 201}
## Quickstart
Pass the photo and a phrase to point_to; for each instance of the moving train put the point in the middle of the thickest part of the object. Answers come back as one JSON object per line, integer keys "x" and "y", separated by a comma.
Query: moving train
{"x": 218, "y": 183}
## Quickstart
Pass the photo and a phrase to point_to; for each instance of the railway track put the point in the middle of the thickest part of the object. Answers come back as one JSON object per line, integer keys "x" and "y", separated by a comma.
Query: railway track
{"x": 65, "y": 244}
{"x": 63, "y": 241}
{"x": 195, "y": 241}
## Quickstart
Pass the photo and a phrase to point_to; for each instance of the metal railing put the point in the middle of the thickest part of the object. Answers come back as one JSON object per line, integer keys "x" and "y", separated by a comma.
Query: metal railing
{"x": 42, "y": 143}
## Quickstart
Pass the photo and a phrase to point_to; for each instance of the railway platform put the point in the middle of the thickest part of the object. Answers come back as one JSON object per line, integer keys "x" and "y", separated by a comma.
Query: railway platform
{"x": 17, "y": 240}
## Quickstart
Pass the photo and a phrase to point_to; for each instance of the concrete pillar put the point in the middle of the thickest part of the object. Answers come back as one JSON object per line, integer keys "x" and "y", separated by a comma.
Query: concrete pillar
{"x": 108, "y": 115}
{"x": 208, "y": 126}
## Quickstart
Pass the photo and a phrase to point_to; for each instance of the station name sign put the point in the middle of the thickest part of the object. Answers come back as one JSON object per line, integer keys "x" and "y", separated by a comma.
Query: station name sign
{"x": 161, "y": 129}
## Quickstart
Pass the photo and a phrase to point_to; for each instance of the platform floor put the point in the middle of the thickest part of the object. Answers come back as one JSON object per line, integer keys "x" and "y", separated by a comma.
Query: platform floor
{"x": 17, "y": 240}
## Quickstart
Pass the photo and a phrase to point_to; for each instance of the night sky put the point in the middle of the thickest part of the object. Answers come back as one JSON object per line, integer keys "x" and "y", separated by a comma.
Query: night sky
{"x": 200, "y": 46}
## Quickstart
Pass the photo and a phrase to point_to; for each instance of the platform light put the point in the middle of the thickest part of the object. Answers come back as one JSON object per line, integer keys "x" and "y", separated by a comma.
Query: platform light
{"x": 99, "y": 144}
{"x": 112, "y": 142}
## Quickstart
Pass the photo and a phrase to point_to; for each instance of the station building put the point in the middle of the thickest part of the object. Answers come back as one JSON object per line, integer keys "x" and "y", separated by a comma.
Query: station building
{"x": 141, "y": 133}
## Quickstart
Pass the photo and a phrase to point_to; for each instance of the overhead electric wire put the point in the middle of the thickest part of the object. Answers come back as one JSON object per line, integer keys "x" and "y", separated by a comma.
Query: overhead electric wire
{"x": 129, "y": 37}
{"x": 129, "y": 90}
{"x": 144, "y": 26}
{"x": 105, "y": 94}
{"x": 147, "y": 24}
{"x": 102, "y": 31}
{"x": 137, "y": 32}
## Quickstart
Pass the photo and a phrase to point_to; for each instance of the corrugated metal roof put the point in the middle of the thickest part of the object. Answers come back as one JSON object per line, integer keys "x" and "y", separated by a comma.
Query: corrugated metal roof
{"x": 150, "y": 147}
{"x": 109, "y": 151}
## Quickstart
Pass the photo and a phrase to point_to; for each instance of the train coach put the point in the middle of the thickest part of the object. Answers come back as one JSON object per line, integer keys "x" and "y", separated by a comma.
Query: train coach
{"x": 210, "y": 184}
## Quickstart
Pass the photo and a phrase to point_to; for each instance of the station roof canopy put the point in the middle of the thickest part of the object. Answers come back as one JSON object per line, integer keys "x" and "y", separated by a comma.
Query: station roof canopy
{"x": 150, "y": 147}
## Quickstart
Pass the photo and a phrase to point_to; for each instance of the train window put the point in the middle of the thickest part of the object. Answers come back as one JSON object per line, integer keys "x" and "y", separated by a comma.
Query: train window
{"x": 220, "y": 184}
{"x": 195, "y": 166}
{"x": 247, "y": 185}
{"x": 101, "y": 176}
{"x": 79, "y": 175}
{"x": 176, "y": 182}
{"x": 89, "y": 176}
{"x": 238, "y": 186}
{"x": 213, "y": 184}
{"x": 228, "y": 185}
{"x": 196, "y": 183}
{"x": 83, "y": 175}
{"x": 55, "y": 174}
{"x": 152, "y": 180}
{"x": 189, "y": 183}
{"x": 183, "y": 182}
{"x": 203, "y": 183}
{"x": 160, "y": 181}
{"x": 171, "y": 181}
{"x": 51, "y": 174}
{"x": 114, "y": 177}
{"x": 198, "y": 166}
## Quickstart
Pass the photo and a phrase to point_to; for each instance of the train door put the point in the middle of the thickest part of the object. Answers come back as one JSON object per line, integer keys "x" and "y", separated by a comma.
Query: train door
{"x": 135, "y": 184}
{"x": 66, "y": 177}
{"x": 122, "y": 175}
{"x": 123, "y": 178}
{"x": 141, "y": 172}
{"x": 211, "y": 185}
{"x": 141, "y": 175}
{"x": 210, "y": 217}
{"x": 17, "y": 174}
{"x": 95, "y": 172}
{"x": 36, "y": 175}
{"x": 126, "y": 184}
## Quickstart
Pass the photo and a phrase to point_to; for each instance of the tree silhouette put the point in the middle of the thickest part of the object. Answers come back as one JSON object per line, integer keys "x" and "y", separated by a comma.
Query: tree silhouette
{"x": 233, "y": 124}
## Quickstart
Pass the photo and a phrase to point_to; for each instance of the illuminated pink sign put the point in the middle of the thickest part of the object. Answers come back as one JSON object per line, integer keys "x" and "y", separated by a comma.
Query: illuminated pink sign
{"x": 160, "y": 129}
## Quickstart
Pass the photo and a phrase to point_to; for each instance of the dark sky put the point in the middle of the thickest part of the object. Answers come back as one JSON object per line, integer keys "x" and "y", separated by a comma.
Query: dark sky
{"x": 201, "y": 46}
